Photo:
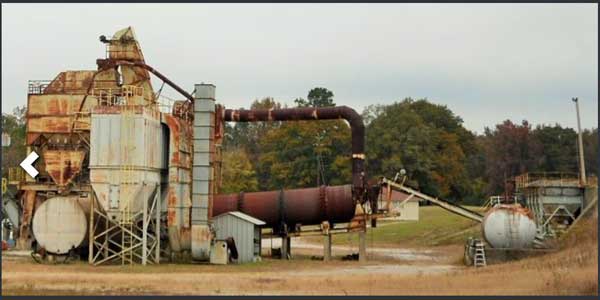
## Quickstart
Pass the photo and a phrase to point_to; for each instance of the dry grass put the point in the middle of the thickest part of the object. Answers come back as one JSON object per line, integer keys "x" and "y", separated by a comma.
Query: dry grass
{"x": 571, "y": 271}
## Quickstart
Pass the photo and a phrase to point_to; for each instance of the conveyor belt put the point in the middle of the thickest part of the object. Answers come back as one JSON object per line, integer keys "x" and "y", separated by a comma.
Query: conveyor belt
{"x": 451, "y": 207}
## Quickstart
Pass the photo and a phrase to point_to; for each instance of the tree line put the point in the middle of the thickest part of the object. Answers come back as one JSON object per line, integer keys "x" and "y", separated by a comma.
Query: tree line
{"x": 428, "y": 140}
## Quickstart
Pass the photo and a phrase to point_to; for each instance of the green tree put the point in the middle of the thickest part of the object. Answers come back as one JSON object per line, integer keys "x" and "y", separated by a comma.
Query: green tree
{"x": 422, "y": 138}
{"x": 317, "y": 97}
{"x": 590, "y": 150}
{"x": 307, "y": 153}
{"x": 371, "y": 112}
{"x": 558, "y": 152}
{"x": 510, "y": 150}
{"x": 304, "y": 154}
{"x": 14, "y": 125}
{"x": 238, "y": 173}
{"x": 246, "y": 136}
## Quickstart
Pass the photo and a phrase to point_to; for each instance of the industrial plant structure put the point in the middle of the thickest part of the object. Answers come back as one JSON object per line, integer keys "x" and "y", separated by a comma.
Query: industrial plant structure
{"x": 122, "y": 177}
{"x": 125, "y": 178}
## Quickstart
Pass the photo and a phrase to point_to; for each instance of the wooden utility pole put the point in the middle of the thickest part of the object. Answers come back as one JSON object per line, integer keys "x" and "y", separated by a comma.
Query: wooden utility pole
{"x": 582, "y": 178}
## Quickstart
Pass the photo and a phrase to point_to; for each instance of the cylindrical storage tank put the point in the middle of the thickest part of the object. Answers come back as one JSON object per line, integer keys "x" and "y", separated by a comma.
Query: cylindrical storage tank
{"x": 509, "y": 226}
{"x": 126, "y": 158}
{"x": 60, "y": 224}
{"x": 307, "y": 206}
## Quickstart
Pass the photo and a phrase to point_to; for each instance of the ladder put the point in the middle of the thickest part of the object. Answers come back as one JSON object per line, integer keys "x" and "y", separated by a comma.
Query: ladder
{"x": 479, "y": 259}
{"x": 127, "y": 178}
{"x": 538, "y": 241}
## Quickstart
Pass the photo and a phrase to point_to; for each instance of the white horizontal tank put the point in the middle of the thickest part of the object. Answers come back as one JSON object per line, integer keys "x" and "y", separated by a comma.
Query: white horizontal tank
{"x": 60, "y": 224}
{"x": 509, "y": 226}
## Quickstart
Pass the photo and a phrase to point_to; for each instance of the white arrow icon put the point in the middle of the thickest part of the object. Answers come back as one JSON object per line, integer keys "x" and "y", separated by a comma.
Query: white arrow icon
{"x": 26, "y": 164}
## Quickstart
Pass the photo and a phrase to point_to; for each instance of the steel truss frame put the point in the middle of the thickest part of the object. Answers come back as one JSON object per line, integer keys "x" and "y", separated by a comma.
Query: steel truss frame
{"x": 111, "y": 241}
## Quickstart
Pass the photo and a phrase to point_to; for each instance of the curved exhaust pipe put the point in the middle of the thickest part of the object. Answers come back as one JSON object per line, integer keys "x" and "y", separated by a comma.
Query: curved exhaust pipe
{"x": 316, "y": 113}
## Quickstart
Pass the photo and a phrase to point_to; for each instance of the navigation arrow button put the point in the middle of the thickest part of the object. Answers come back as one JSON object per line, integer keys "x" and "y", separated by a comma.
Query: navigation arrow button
{"x": 26, "y": 164}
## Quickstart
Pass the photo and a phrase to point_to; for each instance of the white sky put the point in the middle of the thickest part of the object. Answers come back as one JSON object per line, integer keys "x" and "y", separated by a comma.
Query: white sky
{"x": 486, "y": 62}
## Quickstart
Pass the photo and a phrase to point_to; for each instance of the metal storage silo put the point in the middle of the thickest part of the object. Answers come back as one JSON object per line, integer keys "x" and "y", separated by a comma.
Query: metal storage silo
{"x": 126, "y": 158}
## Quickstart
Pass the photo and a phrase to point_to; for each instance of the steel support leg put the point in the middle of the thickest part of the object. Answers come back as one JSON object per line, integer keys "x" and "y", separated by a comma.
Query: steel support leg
{"x": 286, "y": 247}
{"x": 362, "y": 246}
{"x": 327, "y": 247}
{"x": 157, "y": 226}
{"x": 91, "y": 231}
{"x": 145, "y": 221}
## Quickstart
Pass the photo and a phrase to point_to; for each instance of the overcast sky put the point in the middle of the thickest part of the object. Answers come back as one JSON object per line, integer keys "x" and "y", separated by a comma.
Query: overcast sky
{"x": 486, "y": 62}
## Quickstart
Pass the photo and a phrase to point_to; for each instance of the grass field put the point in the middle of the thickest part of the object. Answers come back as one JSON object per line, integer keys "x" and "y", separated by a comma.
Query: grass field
{"x": 436, "y": 227}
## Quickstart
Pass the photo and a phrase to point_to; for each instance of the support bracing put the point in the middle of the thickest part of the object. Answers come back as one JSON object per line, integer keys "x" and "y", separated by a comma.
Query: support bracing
{"x": 137, "y": 242}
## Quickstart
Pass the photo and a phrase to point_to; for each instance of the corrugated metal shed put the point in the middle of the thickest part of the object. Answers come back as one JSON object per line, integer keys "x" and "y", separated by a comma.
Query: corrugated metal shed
{"x": 245, "y": 231}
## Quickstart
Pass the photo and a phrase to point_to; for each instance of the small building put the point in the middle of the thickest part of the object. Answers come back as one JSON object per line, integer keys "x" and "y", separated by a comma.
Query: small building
{"x": 245, "y": 231}
{"x": 403, "y": 207}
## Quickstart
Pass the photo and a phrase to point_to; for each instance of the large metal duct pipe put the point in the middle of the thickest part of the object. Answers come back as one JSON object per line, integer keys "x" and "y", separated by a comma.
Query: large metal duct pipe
{"x": 296, "y": 206}
{"x": 317, "y": 113}
{"x": 105, "y": 64}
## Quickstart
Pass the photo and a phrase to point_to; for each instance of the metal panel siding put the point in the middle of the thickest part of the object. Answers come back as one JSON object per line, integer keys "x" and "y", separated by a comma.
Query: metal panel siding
{"x": 204, "y": 107}
{"x": 143, "y": 155}
{"x": 202, "y": 133}
{"x": 200, "y": 188}
{"x": 106, "y": 148}
{"x": 201, "y": 159}
{"x": 202, "y": 172}
{"x": 200, "y": 145}
{"x": 242, "y": 232}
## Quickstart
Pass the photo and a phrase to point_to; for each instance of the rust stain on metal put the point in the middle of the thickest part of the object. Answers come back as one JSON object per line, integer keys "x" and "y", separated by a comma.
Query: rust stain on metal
{"x": 307, "y": 206}
{"x": 70, "y": 82}
{"x": 54, "y": 113}
{"x": 183, "y": 110}
{"x": 322, "y": 113}
{"x": 63, "y": 165}
{"x": 219, "y": 122}
{"x": 171, "y": 206}
{"x": 173, "y": 124}
{"x": 185, "y": 234}
{"x": 28, "y": 204}
{"x": 515, "y": 208}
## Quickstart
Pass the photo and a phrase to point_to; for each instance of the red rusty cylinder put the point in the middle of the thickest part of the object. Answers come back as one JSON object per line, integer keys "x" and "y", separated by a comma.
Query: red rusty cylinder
{"x": 307, "y": 206}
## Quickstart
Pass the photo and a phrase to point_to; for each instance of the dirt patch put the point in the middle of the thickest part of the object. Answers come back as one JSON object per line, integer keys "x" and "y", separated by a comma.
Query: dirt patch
{"x": 390, "y": 271}
{"x": 387, "y": 252}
